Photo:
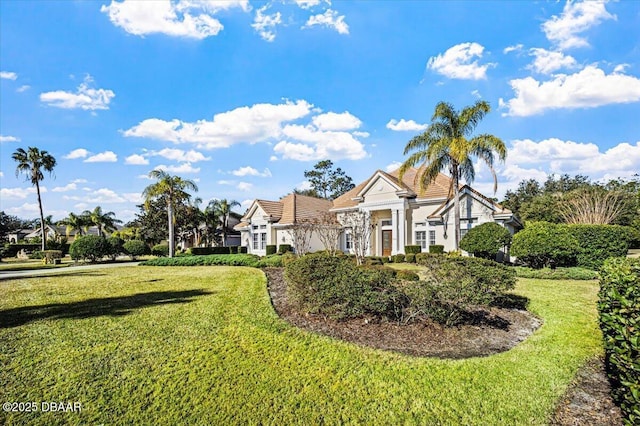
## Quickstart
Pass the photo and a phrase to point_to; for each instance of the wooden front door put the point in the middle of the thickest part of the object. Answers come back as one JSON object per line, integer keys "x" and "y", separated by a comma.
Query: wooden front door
{"x": 386, "y": 243}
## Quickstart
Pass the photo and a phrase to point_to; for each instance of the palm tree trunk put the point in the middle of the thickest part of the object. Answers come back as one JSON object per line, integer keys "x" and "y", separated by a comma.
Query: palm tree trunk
{"x": 456, "y": 207}
{"x": 42, "y": 230}
{"x": 171, "y": 238}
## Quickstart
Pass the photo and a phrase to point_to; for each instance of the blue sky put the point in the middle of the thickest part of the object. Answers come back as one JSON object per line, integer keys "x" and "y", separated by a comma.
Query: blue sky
{"x": 243, "y": 96}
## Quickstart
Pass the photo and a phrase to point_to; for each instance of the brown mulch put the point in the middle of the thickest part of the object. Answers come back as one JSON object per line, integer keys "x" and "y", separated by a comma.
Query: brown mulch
{"x": 586, "y": 402}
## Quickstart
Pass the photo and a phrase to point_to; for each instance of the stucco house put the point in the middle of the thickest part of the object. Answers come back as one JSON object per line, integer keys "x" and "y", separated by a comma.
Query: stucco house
{"x": 400, "y": 214}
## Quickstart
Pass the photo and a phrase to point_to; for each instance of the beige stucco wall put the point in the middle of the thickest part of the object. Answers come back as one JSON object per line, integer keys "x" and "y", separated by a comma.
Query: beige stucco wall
{"x": 380, "y": 190}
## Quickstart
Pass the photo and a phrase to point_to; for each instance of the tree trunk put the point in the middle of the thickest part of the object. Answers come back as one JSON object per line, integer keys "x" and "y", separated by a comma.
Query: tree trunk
{"x": 456, "y": 207}
{"x": 224, "y": 230}
{"x": 171, "y": 239}
{"x": 42, "y": 230}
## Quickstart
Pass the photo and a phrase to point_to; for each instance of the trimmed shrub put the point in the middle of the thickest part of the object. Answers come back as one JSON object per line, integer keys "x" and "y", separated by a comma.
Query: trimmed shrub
{"x": 11, "y": 250}
{"x": 135, "y": 248}
{"x": 407, "y": 275}
{"x": 410, "y": 258}
{"x": 373, "y": 260}
{"x": 89, "y": 247}
{"x": 436, "y": 248}
{"x": 573, "y": 273}
{"x": 243, "y": 250}
{"x": 201, "y": 251}
{"x": 619, "y": 308}
{"x": 210, "y": 260}
{"x": 335, "y": 286}
{"x": 272, "y": 261}
{"x": 220, "y": 250}
{"x": 398, "y": 258}
{"x": 271, "y": 249}
{"x": 50, "y": 255}
{"x": 542, "y": 244}
{"x": 486, "y": 240}
{"x": 36, "y": 255}
{"x": 385, "y": 259}
{"x": 160, "y": 250}
{"x": 430, "y": 260}
{"x": 412, "y": 249}
{"x": 233, "y": 249}
{"x": 285, "y": 248}
{"x": 115, "y": 247}
{"x": 600, "y": 242}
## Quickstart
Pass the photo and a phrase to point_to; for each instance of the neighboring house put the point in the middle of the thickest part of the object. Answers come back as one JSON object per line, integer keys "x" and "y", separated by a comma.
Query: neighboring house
{"x": 191, "y": 238}
{"x": 18, "y": 235}
{"x": 54, "y": 231}
{"x": 400, "y": 214}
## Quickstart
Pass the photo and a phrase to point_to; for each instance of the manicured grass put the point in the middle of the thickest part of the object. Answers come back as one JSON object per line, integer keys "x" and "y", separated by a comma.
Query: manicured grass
{"x": 31, "y": 264}
{"x": 144, "y": 345}
{"x": 573, "y": 273}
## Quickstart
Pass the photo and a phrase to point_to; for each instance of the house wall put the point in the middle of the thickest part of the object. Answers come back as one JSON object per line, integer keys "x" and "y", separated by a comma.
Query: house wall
{"x": 380, "y": 190}
{"x": 263, "y": 226}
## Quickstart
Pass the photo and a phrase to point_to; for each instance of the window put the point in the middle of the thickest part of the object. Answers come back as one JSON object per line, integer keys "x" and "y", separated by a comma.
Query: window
{"x": 254, "y": 227}
{"x": 386, "y": 222}
{"x": 463, "y": 232}
{"x": 432, "y": 238}
{"x": 255, "y": 241}
{"x": 348, "y": 241}
{"x": 421, "y": 239}
{"x": 263, "y": 241}
{"x": 263, "y": 226}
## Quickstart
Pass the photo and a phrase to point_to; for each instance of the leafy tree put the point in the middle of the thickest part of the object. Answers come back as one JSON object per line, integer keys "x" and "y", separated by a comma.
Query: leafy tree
{"x": 75, "y": 222}
{"x": 135, "y": 248}
{"x": 486, "y": 240}
{"x": 447, "y": 145}
{"x": 151, "y": 222}
{"x": 9, "y": 224}
{"x": 114, "y": 247}
{"x": 90, "y": 247}
{"x": 526, "y": 191}
{"x": 104, "y": 221}
{"x": 173, "y": 191}
{"x": 327, "y": 182}
{"x": 32, "y": 163}
{"x": 220, "y": 210}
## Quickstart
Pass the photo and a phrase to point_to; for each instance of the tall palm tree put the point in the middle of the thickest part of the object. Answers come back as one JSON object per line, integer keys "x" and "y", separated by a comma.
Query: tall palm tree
{"x": 221, "y": 209}
{"x": 74, "y": 222}
{"x": 172, "y": 190}
{"x": 104, "y": 221}
{"x": 32, "y": 163}
{"x": 447, "y": 144}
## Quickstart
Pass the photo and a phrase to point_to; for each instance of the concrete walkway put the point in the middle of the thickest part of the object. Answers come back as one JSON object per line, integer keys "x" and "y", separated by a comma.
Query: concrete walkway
{"x": 6, "y": 275}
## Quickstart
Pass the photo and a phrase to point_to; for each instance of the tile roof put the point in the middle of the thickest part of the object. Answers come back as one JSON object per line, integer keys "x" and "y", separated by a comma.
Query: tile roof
{"x": 301, "y": 208}
{"x": 271, "y": 208}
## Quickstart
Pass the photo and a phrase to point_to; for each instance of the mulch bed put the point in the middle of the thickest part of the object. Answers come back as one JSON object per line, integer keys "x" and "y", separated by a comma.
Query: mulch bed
{"x": 587, "y": 401}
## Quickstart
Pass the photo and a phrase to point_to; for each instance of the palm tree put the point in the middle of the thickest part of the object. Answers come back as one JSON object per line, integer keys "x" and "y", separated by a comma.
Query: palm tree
{"x": 171, "y": 189}
{"x": 221, "y": 209}
{"x": 31, "y": 163}
{"x": 74, "y": 222}
{"x": 104, "y": 221}
{"x": 447, "y": 145}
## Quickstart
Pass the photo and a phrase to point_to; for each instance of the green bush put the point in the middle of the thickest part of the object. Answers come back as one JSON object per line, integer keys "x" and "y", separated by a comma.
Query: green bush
{"x": 89, "y": 247}
{"x": 486, "y": 240}
{"x": 233, "y": 249}
{"x": 398, "y": 258}
{"x": 410, "y": 258}
{"x": 11, "y": 250}
{"x": 436, "y": 248}
{"x": 335, "y": 286}
{"x": 542, "y": 244}
{"x": 272, "y": 261}
{"x": 285, "y": 248}
{"x": 50, "y": 255}
{"x": 205, "y": 251}
{"x": 600, "y": 242}
{"x": 210, "y": 260}
{"x": 412, "y": 249}
{"x": 36, "y": 255}
{"x": 201, "y": 251}
{"x": 135, "y": 248}
{"x": 572, "y": 273}
{"x": 271, "y": 249}
{"x": 407, "y": 275}
{"x": 373, "y": 260}
{"x": 243, "y": 250}
{"x": 160, "y": 250}
{"x": 430, "y": 260}
{"x": 115, "y": 247}
{"x": 619, "y": 309}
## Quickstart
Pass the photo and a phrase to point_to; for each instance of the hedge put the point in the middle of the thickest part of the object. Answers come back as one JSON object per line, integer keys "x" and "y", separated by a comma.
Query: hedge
{"x": 619, "y": 308}
{"x": 204, "y": 251}
{"x": 271, "y": 249}
{"x": 11, "y": 250}
{"x": 412, "y": 249}
{"x": 161, "y": 250}
{"x": 243, "y": 250}
{"x": 600, "y": 242}
{"x": 398, "y": 258}
{"x": 436, "y": 248}
{"x": 210, "y": 260}
{"x": 542, "y": 244}
{"x": 285, "y": 248}
{"x": 135, "y": 248}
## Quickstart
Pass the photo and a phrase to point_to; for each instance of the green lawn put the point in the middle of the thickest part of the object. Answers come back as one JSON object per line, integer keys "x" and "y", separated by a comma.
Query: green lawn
{"x": 202, "y": 345}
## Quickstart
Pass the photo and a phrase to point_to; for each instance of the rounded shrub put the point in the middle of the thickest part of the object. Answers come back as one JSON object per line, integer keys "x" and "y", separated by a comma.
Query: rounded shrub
{"x": 486, "y": 240}
{"x": 436, "y": 249}
{"x": 398, "y": 258}
{"x": 115, "y": 247}
{"x": 542, "y": 244}
{"x": 600, "y": 242}
{"x": 285, "y": 248}
{"x": 412, "y": 249}
{"x": 135, "y": 248}
{"x": 271, "y": 249}
{"x": 89, "y": 247}
{"x": 410, "y": 258}
{"x": 160, "y": 250}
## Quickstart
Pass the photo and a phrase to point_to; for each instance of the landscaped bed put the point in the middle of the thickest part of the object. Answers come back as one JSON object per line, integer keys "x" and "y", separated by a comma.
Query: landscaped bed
{"x": 203, "y": 345}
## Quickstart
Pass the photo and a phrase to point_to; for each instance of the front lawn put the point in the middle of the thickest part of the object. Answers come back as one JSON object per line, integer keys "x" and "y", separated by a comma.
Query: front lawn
{"x": 202, "y": 345}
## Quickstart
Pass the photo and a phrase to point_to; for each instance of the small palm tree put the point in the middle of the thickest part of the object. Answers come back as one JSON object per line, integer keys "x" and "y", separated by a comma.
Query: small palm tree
{"x": 104, "y": 221}
{"x": 172, "y": 190}
{"x": 447, "y": 145}
{"x": 32, "y": 163}
{"x": 74, "y": 222}
{"x": 221, "y": 210}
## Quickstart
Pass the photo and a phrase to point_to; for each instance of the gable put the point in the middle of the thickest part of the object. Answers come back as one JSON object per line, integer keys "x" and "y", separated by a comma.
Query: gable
{"x": 380, "y": 189}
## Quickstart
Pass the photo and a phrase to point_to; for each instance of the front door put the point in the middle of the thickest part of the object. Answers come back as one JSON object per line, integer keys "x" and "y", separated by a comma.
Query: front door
{"x": 386, "y": 243}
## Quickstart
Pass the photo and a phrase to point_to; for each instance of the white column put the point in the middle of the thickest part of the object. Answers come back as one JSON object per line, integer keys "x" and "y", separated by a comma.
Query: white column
{"x": 402, "y": 226}
{"x": 394, "y": 231}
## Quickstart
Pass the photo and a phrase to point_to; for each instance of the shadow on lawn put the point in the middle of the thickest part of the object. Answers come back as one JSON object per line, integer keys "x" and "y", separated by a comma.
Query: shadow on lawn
{"x": 112, "y": 306}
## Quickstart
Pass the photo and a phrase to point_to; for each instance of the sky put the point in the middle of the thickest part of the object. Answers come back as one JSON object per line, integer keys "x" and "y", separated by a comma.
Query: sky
{"x": 242, "y": 97}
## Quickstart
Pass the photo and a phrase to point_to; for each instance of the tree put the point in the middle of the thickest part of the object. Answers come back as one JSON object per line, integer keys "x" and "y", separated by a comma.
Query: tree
{"x": 74, "y": 222}
{"x": 32, "y": 163}
{"x": 447, "y": 145}
{"x": 9, "y": 224}
{"x": 328, "y": 230}
{"x": 358, "y": 223}
{"x": 592, "y": 206}
{"x": 301, "y": 233}
{"x": 486, "y": 240}
{"x": 221, "y": 211}
{"x": 104, "y": 221}
{"x": 173, "y": 191}
{"x": 326, "y": 182}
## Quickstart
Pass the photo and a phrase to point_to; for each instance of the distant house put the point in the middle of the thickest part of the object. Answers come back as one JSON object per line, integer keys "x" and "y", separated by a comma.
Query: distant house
{"x": 54, "y": 231}
{"x": 400, "y": 214}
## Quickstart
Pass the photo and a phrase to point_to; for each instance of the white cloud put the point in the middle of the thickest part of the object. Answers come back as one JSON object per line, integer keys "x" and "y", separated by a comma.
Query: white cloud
{"x": 405, "y": 125}
{"x": 620, "y": 68}
{"x": 181, "y": 168}
{"x": 393, "y": 166}
{"x": 273, "y": 158}
{"x": 250, "y": 171}
{"x": 1, "y": 174}
{"x": 190, "y": 156}
{"x": 546, "y": 62}
{"x": 458, "y": 62}
{"x": 334, "y": 121}
{"x": 103, "y": 157}
{"x": 79, "y": 181}
{"x": 106, "y": 196}
{"x": 588, "y": 88}
{"x": 9, "y": 139}
{"x": 304, "y": 185}
{"x": 326, "y": 144}
{"x": 266, "y": 25}
{"x": 18, "y": 193}
{"x": 24, "y": 209}
{"x": 307, "y": 4}
{"x": 245, "y": 186}
{"x": 7, "y": 75}
{"x": 252, "y": 124}
{"x": 361, "y": 134}
{"x": 476, "y": 94}
{"x": 576, "y": 18}
{"x": 515, "y": 48}
{"x": 183, "y": 18}
{"x": 136, "y": 160}
{"x": 85, "y": 97}
{"x": 295, "y": 151}
{"x": 77, "y": 153}
{"x": 23, "y": 88}
{"x": 69, "y": 187}
{"x": 329, "y": 19}
{"x": 226, "y": 182}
